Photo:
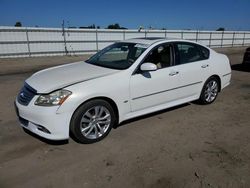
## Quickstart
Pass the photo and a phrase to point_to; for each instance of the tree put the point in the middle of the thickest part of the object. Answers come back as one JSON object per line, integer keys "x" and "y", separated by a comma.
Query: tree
{"x": 92, "y": 26}
{"x": 18, "y": 24}
{"x": 220, "y": 29}
{"x": 115, "y": 26}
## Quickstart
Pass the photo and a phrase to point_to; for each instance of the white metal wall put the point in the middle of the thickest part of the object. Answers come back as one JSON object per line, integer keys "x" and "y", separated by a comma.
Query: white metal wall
{"x": 25, "y": 42}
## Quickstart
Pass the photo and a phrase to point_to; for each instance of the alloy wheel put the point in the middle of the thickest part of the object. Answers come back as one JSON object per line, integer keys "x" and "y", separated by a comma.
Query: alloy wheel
{"x": 95, "y": 122}
{"x": 211, "y": 91}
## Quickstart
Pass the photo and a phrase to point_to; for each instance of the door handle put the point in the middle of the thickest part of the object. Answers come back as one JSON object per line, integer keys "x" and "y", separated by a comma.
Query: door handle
{"x": 173, "y": 73}
{"x": 204, "y": 66}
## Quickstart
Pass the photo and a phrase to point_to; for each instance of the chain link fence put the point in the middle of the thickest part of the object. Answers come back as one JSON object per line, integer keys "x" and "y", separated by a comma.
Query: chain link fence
{"x": 30, "y": 42}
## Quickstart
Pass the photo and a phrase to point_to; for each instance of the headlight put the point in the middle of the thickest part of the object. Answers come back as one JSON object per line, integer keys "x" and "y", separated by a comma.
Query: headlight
{"x": 53, "y": 99}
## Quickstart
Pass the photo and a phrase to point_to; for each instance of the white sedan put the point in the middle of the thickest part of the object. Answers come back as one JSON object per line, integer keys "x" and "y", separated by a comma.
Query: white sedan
{"x": 124, "y": 80}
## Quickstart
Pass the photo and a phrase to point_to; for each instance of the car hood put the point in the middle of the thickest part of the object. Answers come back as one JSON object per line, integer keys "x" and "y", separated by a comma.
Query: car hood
{"x": 58, "y": 77}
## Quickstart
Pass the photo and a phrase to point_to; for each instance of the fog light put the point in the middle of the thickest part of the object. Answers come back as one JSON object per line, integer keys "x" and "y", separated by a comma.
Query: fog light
{"x": 43, "y": 129}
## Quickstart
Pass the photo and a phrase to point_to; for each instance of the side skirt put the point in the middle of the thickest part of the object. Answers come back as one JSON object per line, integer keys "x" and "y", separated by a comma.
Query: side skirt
{"x": 159, "y": 107}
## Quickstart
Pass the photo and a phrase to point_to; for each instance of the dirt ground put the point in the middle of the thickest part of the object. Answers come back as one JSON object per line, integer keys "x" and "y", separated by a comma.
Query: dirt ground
{"x": 187, "y": 146}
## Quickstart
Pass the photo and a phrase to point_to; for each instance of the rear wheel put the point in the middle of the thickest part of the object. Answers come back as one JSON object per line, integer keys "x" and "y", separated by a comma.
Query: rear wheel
{"x": 210, "y": 91}
{"x": 92, "y": 121}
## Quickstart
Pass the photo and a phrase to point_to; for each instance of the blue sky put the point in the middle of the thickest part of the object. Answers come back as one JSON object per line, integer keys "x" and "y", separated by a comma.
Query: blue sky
{"x": 176, "y": 14}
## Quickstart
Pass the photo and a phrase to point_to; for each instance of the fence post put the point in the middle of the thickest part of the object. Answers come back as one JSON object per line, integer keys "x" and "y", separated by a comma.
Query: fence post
{"x": 124, "y": 34}
{"x": 197, "y": 36}
{"x": 165, "y": 33}
{"x": 145, "y": 33}
{"x": 233, "y": 39}
{"x": 222, "y": 36}
{"x": 210, "y": 39}
{"x": 28, "y": 42}
{"x": 243, "y": 42}
{"x": 181, "y": 34}
{"x": 96, "y": 36}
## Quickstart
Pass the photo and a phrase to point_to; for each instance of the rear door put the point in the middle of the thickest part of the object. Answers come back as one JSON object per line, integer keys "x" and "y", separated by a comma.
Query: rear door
{"x": 191, "y": 68}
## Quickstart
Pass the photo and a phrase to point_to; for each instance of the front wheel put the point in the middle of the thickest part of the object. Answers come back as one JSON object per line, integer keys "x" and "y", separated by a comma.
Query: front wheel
{"x": 92, "y": 121}
{"x": 210, "y": 91}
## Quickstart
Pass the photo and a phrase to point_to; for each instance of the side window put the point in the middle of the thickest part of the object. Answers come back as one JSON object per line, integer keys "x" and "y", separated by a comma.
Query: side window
{"x": 161, "y": 56}
{"x": 188, "y": 53}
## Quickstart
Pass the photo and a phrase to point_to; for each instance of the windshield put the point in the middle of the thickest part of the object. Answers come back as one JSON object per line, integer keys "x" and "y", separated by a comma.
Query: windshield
{"x": 119, "y": 55}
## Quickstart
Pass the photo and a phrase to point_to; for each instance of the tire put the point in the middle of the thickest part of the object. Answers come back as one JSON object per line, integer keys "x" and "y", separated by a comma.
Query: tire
{"x": 92, "y": 121}
{"x": 209, "y": 91}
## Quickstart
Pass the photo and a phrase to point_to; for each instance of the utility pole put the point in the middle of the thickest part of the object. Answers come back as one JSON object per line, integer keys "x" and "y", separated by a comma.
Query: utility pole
{"x": 64, "y": 38}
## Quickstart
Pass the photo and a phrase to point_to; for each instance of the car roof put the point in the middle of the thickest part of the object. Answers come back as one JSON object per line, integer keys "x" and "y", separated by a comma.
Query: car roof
{"x": 148, "y": 41}
{"x": 151, "y": 40}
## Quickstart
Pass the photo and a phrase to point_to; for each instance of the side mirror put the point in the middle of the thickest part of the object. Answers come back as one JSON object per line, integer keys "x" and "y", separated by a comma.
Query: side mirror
{"x": 148, "y": 67}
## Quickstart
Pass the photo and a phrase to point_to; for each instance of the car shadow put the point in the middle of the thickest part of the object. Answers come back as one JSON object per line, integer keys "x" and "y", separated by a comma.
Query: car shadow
{"x": 150, "y": 115}
{"x": 244, "y": 67}
{"x": 50, "y": 142}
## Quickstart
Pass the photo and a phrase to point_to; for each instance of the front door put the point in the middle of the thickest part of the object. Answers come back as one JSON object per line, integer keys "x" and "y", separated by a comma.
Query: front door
{"x": 148, "y": 89}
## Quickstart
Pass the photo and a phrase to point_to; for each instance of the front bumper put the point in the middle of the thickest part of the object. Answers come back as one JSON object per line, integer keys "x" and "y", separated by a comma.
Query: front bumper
{"x": 44, "y": 121}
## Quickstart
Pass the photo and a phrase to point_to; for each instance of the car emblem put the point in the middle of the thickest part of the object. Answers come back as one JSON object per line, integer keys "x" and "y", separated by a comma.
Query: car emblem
{"x": 22, "y": 94}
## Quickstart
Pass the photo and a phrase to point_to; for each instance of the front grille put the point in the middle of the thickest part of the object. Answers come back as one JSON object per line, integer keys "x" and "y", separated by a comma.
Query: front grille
{"x": 26, "y": 94}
